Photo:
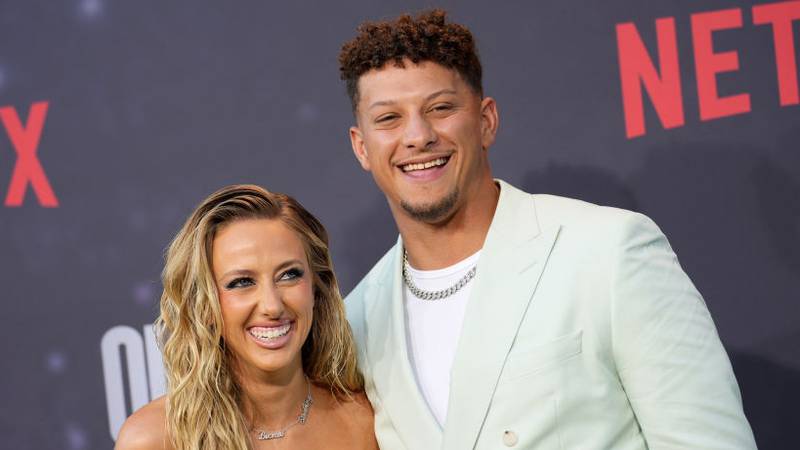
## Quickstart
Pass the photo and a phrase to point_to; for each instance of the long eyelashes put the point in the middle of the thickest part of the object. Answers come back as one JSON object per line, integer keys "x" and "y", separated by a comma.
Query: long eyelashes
{"x": 240, "y": 282}
{"x": 292, "y": 274}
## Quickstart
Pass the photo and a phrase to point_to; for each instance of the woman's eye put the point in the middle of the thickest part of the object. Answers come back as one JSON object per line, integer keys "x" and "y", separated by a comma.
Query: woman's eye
{"x": 291, "y": 274}
{"x": 240, "y": 283}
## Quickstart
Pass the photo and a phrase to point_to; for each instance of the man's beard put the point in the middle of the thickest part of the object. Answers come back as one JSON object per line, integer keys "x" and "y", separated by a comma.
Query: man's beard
{"x": 434, "y": 212}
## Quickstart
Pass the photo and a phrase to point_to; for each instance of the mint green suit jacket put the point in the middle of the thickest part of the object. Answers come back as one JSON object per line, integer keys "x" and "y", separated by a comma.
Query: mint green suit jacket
{"x": 581, "y": 332}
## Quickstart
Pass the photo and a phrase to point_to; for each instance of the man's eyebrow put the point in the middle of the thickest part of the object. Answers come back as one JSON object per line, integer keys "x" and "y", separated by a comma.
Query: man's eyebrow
{"x": 428, "y": 98}
{"x": 381, "y": 103}
{"x": 441, "y": 92}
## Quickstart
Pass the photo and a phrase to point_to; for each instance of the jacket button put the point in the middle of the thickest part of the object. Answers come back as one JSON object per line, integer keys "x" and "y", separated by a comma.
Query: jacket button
{"x": 510, "y": 438}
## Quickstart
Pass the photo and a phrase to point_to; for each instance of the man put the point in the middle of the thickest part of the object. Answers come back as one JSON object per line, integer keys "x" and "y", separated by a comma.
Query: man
{"x": 502, "y": 318}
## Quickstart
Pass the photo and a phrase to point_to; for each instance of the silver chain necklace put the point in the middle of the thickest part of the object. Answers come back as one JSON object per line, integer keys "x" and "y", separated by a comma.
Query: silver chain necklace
{"x": 262, "y": 435}
{"x": 434, "y": 295}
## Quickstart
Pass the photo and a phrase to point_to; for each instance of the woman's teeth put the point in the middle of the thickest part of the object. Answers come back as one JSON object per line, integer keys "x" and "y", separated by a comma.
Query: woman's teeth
{"x": 267, "y": 334}
{"x": 422, "y": 166}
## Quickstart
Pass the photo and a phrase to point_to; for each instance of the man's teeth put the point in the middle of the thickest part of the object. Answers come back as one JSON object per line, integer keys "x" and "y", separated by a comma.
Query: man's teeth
{"x": 422, "y": 166}
{"x": 264, "y": 333}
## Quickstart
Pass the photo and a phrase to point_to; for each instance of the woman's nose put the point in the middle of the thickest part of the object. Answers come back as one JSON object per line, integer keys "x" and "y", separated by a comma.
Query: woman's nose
{"x": 271, "y": 302}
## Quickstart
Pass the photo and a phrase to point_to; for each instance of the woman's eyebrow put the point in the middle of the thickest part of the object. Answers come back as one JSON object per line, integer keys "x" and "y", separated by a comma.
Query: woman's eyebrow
{"x": 236, "y": 272}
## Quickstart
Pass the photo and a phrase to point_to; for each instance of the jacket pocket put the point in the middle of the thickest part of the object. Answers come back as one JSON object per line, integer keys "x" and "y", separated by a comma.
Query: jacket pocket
{"x": 529, "y": 360}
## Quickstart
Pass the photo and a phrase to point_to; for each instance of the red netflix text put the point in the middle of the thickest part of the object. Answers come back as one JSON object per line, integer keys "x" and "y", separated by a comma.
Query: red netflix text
{"x": 663, "y": 85}
{"x": 28, "y": 169}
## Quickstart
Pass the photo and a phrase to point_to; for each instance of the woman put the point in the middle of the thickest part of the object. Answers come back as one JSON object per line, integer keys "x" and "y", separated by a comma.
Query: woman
{"x": 256, "y": 346}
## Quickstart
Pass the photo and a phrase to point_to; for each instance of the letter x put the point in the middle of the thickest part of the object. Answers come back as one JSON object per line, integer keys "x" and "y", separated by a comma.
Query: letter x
{"x": 25, "y": 141}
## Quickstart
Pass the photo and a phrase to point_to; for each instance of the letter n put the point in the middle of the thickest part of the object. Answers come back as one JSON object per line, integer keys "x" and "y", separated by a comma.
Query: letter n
{"x": 637, "y": 69}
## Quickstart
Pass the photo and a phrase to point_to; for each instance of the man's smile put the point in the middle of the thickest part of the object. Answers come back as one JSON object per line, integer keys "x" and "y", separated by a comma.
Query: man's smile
{"x": 410, "y": 167}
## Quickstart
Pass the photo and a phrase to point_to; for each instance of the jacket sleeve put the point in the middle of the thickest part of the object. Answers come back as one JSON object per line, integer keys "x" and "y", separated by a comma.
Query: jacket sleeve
{"x": 385, "y": 433}
{"x": 669, "y": 357}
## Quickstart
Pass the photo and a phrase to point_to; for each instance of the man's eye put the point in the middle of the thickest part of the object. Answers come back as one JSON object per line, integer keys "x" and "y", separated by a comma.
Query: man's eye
{"x": 240, "y": 283}
{"x": 442, "y": 107}
{"x": 386, "y": 118}
{"x": 291, "y": 274}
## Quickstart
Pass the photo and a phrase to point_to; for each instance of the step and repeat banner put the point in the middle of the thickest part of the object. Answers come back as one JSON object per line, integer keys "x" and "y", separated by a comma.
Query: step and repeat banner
{"x": 118, "y": 117}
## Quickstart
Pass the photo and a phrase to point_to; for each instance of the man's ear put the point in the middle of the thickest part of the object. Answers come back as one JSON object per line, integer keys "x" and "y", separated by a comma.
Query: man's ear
{"x": 489, "y": 121}
{"x": 359, "y": 148}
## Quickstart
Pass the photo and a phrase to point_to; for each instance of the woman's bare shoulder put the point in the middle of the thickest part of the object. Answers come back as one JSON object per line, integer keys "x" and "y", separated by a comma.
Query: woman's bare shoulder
{"x": 359, "y": 406}
{"x": 145, "y": 429}
{"x": 358, "y": 418}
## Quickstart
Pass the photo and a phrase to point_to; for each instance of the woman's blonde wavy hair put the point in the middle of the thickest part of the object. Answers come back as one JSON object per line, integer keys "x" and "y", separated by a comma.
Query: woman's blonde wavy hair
{"x": 204, "y": 400}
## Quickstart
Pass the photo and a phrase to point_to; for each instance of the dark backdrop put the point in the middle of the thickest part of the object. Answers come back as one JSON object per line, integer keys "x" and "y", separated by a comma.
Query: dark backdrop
{"x": 152, "y": 105}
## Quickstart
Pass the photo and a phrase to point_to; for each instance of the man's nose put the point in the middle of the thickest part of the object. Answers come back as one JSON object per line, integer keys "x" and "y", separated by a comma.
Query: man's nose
{"x": 419, "y": 133}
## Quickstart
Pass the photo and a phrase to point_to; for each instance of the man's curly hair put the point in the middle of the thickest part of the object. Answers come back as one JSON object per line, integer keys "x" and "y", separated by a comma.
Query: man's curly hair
{"x": 427, "y": 37}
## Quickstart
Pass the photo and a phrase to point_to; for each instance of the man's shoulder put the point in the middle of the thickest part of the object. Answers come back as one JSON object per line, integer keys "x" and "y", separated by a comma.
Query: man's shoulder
{"x": 555, "y": 209}
{"x": 571, "y": 211}
{"x": 356, "y": 301}
{"x": 579, "y": 217}
{"x": 356, "y": 298}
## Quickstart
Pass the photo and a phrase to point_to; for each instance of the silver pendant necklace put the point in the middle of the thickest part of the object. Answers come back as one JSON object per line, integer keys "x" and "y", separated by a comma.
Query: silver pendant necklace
{"x": 262, "y": 435}
{"x": 434, "y": 295}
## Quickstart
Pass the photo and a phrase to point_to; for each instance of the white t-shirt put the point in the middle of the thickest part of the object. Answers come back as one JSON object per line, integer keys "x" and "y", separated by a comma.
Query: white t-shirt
{"x": 433, "y": 328}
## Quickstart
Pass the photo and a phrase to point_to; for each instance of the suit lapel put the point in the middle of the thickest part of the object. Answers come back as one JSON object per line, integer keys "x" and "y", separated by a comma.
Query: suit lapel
{"x": 388, "y": 358}
{"x": 512, "y": 260}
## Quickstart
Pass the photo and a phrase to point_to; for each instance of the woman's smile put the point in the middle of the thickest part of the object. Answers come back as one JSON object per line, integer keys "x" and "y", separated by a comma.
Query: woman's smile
{"x": 273, "y": 337}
